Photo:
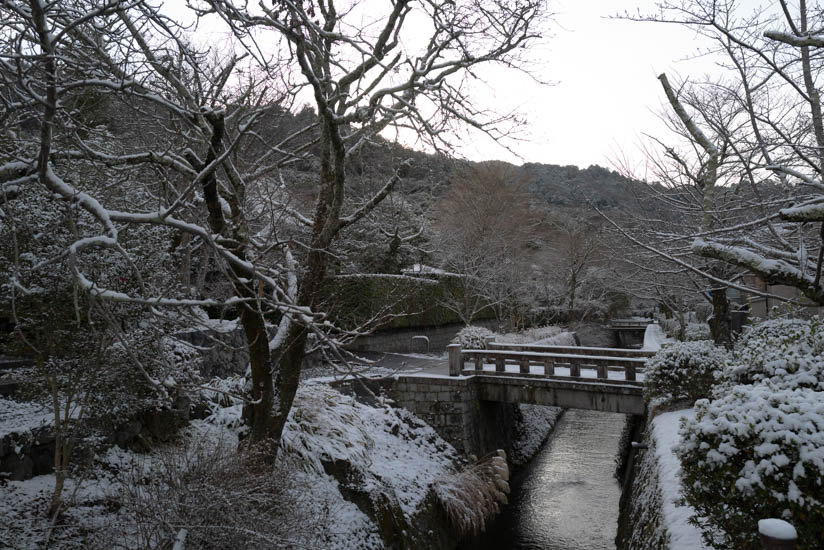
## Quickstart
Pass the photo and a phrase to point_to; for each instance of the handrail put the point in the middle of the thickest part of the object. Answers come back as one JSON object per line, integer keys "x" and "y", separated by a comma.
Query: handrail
{"x": 575, "y": 362}
{"x": 577, "y": 350}
{"x": 631, "y": 322}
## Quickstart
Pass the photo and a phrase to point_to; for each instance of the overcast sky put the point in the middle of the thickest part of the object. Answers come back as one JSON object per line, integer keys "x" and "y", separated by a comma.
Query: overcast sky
{"x": 605, "y": 95}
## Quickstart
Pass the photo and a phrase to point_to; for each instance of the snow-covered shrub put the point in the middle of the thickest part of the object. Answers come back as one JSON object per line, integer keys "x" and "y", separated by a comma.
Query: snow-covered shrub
{"x": 787, "y": 352}
{"x": 684, "y": 370}
{"x": 694, "y": 332}
{"x": 473, "y": 337}
{"x": 475, "y": 495}
{"x": 756, "y": 452}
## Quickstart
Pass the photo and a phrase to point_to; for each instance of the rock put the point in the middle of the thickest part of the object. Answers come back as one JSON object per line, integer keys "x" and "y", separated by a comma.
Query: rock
{"x": 19, "y": 467}
{"x": 8, "y": 387}
{"x": 126, "y": 433}
{"x": 42, "y": 456}
{"x": 429, "y": 528}
{"x": 27, "y": 454}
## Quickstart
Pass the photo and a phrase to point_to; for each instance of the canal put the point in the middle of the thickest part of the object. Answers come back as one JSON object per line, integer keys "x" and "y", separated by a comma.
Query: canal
{"x": 567, "y": 497}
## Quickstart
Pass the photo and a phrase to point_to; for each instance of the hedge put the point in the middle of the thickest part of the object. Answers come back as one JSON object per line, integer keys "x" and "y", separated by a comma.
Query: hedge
{"x": 399, "y": 301}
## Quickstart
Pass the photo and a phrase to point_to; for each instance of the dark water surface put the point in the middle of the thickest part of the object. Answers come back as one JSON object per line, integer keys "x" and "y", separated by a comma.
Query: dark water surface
{"x": 567, "y": 497}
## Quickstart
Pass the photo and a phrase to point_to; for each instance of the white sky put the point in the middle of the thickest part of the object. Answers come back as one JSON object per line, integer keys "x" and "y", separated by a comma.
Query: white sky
{"x": 606, "y": 94}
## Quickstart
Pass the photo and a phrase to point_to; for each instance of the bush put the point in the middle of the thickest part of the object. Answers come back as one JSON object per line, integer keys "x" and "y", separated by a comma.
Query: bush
{"x": 473, "y": 337}
{"x": 757, "y": 452}
{"x": 787, "y": 352}
{"x": 684, "y": 370}
{"x": 757, "y": 449}
{"x": 694, "y": 332}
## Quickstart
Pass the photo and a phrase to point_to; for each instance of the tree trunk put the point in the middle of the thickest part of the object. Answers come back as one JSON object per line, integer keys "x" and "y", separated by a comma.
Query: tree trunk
{"x": 258, "y": 414}
{"x": 571, "y": 306}
{"x": 325, "y": 227}
{"x": 682, "y": 322}
{"x": 720, "y": 324}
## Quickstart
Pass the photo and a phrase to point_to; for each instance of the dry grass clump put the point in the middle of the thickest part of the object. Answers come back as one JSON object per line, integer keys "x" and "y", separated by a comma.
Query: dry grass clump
{"x": 214, "y": 497}
{"x": 475, "y": 495}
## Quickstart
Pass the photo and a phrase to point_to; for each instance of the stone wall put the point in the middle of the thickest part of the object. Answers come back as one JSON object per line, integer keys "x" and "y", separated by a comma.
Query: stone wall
{"x": 451, "y": 406}
{"x": 400, "y": 340}
{"x": 640, "y": 525}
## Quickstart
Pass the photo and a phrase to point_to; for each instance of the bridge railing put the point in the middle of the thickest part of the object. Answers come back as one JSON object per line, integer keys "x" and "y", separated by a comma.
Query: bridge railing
{"x": 630, "y": 323}
{"x": 575, "y": 350}
{"x": 574, "y": 362}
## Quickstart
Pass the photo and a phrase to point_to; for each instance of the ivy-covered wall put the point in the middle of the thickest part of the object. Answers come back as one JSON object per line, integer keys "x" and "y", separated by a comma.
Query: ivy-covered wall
{"x": 398, "y": 301}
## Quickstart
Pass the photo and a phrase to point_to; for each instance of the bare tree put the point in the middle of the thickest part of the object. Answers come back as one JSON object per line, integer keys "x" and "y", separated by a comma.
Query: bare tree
{"x": 754, "y": 138}
{"x": 180, "y": 158}
{"x": 483, "y": 227}
{"x": 197, "y": 140}
{"x": 367, "y": 78}
{"x": 573, "y": 258}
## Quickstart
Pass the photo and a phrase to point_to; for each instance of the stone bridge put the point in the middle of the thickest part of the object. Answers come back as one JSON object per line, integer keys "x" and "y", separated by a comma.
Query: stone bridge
{"x": 629, "y": 332}
{"x": 466, "y": 404}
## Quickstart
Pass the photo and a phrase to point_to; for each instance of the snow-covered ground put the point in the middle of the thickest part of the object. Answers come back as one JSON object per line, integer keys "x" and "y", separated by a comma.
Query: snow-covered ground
{"x": 393, "y": 453}
{"x": 682, "y": 535}
{"x": 17, "y": 416}
{"x": 654, "y": 338}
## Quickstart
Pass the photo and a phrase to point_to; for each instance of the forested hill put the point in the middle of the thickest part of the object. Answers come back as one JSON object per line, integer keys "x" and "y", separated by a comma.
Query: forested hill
{"x": 550, "y": 184}
{"x": 573, "y": 186}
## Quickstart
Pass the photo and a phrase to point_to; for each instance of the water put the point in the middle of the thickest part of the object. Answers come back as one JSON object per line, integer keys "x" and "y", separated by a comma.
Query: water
{"x": 567, "y": 498}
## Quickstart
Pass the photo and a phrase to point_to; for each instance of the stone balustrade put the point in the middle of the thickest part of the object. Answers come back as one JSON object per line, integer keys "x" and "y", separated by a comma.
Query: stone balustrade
{"x": 576, "y": 350}
{"x": 549, "y": 362}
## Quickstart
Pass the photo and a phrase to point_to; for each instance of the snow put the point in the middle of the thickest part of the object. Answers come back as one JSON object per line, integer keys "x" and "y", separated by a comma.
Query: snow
{"x": 389, "y": 447}
{"x": 421, "y": 268}
{"x": 777, "y": 529}
{"x": 19, "y": 417}
{"x": 538, "y": 422}
{"x": 24, "y": 505}
{"x": 809, "y": 212}
{"x": 682, "y": 535}
{"x": 746, "y": 258}
{"x": 654, "y": 338}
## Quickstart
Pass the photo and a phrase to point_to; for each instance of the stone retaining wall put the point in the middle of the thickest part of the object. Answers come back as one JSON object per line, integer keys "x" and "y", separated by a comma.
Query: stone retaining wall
{"x": 451, "y": 406}
{"x": 640, "y": 525}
